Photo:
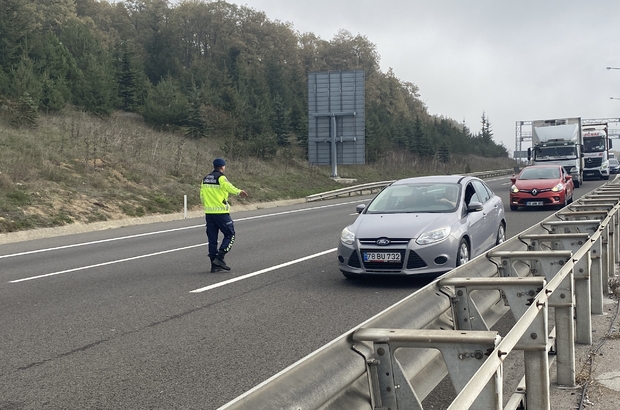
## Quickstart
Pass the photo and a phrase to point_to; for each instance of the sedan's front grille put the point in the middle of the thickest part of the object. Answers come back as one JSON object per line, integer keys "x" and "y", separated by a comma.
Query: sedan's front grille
{"x": 354, "y": 260}
{"x": 384, "y": 266}
{"x": 414, "y": 261}
{"x": 393, "y": 241}
{"x": 529, "y": 191}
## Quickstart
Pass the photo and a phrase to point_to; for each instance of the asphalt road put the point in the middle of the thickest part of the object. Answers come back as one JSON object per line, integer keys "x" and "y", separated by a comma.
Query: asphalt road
{"x": 130, "y": 318}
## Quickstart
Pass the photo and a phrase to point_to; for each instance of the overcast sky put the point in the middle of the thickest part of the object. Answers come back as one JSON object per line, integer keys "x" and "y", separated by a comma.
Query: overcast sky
{"x": 515, "y": 60}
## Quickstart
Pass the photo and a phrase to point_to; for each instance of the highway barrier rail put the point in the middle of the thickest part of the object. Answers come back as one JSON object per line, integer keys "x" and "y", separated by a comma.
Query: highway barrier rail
{"x": 372, "y": 187}
{"x": 556, "y": 271}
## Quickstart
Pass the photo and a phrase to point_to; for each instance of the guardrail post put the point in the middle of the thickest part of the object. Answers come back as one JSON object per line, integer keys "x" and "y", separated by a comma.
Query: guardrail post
{"x": 605, "y": 260}
{"x": 596, "y": 276}
{"x": 463, "y": 353}
{"x": 520, "y": 293}
{"x": 595, "y": 205}
{"x": 581, "y": 271}
{"x": 616, "y": 220}
{"x": 548, "y": 264}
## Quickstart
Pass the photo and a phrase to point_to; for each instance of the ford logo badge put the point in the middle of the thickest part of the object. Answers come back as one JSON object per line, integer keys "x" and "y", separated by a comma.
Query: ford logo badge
{"x": 383, "y": 241}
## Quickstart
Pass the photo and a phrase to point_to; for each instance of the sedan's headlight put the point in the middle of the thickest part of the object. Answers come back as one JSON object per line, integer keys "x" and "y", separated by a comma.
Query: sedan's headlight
{"x": 433, "y": 236}
{"x": 514, "y": 189}
{"x": 347, "y": 237}
{"x": 559, "y": 187}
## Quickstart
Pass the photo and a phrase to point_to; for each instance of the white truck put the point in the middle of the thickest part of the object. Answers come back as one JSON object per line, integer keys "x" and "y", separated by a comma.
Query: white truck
{"x": 596, "y": 146}
{"x": 558, "y": 141}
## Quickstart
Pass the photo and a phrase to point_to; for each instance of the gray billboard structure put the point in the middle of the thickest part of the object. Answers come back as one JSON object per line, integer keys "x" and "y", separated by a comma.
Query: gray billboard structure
{"x": 336, "y": 122}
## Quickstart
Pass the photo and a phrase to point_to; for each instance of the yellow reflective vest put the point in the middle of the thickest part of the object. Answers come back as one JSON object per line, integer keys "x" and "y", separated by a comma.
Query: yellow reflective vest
{"x": 214, "y": 192}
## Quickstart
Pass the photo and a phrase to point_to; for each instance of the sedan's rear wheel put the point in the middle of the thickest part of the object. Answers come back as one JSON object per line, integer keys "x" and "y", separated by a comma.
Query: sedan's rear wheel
{"x": 463, "y": 254}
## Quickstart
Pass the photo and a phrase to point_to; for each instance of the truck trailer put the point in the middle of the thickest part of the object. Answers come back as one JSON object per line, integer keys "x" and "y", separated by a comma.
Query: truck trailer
{"x": 560, "y": 142}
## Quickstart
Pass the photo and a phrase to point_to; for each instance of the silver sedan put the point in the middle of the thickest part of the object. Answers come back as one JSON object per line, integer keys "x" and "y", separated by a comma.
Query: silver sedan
{"x": 422, "y": 226}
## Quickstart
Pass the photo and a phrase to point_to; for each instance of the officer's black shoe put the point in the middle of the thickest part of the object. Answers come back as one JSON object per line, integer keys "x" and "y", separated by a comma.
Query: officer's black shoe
{"x": 220, "y": 264}
{"x": 215, "y": 269}
{"x": 219, "y": 260}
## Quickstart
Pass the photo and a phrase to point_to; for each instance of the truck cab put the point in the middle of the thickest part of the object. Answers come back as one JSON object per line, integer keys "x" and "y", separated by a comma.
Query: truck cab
{"x": 559, "y": 142}
{"x": 596, "y": 146}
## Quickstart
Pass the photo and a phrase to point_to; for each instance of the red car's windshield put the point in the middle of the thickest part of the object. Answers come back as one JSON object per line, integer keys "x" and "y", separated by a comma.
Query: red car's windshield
{"x": 540, "y": 173}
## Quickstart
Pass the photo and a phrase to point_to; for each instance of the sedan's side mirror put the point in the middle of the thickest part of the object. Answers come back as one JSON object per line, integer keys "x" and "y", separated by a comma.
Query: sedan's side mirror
{"x": 360, "y": 208}
{"x": 474, "y": 207}
{"x": 513, "y": 180}
{"x": 568, "y": 177}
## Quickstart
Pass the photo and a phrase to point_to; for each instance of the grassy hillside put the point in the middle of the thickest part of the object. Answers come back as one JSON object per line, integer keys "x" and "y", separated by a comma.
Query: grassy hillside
{"x": 78, "y": 168}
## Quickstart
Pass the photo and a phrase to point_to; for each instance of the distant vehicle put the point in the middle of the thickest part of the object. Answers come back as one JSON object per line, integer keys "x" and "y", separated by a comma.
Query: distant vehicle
{"x": 422, "y": 226}
{"x": 558, "y": 142}
{"x": 541, "y": 186}
{"x": 614, "y": 166}
{"x": 596, "y": 146}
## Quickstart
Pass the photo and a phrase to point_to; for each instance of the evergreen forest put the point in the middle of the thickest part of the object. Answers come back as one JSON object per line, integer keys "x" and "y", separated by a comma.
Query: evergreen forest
{"x": 207, "y": 69}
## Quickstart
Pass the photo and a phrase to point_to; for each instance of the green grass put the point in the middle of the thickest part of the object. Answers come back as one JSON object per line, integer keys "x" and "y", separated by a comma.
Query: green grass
{"x": 75, "y": 168}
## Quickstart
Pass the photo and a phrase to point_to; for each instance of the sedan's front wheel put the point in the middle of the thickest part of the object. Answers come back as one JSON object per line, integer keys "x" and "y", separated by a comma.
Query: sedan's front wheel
{"x": 463, "y": 255}
{"x": 501, "y": 234}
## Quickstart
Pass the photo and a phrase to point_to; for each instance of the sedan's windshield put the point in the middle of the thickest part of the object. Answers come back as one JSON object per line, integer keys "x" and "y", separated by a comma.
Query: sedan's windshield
{"x": 416, "y": 198}
{"x": 540, "y": 173}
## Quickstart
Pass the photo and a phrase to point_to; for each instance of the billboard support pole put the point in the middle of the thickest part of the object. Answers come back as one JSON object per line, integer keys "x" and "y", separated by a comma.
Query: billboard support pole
{"x": 334, "y": 152}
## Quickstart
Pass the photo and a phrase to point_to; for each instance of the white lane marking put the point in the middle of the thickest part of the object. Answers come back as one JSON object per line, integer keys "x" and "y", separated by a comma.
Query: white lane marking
{"x": 171, "y": 230}
{"x": 106, "y": 263}
{"x": 94, "y": 242}
{"x": 249, "y": 275}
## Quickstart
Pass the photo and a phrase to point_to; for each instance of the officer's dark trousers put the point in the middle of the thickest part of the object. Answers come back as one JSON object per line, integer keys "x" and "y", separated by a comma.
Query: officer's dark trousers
{"x": 220, "y": 223}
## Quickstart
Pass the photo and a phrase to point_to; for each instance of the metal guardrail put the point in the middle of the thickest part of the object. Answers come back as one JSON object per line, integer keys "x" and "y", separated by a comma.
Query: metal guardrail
{"x": 372, "y": 187}
{"x": 395, "y": 359}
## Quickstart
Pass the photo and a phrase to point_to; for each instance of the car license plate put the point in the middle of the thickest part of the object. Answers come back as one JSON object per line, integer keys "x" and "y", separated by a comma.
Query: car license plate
{"x": 534, "y": 203}
{"x": 381, "y": 256}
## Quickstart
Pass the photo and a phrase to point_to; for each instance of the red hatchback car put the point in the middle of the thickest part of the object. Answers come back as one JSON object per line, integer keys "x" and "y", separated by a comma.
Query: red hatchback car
{"x": 541, "y": 186}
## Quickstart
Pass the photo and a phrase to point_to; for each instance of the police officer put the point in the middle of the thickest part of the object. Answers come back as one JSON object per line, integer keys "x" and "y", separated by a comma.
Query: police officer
{"x": 214, "y": 192}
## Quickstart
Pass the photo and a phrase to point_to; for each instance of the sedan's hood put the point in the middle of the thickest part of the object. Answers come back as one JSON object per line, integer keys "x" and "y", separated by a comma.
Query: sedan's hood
{"x": 537, "y": 183}
{"x": 409, "y": 225}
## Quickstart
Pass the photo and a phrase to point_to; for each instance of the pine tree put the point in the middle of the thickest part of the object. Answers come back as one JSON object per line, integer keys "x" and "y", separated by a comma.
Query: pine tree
{"x": 166, "y": 105}
{"x": 280, "y": 123}
{"x": 423, "y": 146}
{"x": 25, "y": 112}
{"x": 443, "y": 153}
{"x": 195, "y": 125}
{"x": 486, "y": 132}
{"x": 126, "y": 80}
